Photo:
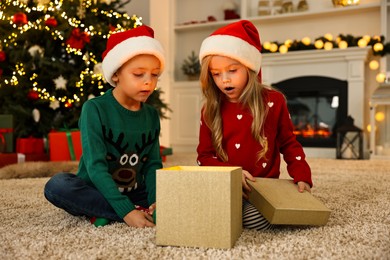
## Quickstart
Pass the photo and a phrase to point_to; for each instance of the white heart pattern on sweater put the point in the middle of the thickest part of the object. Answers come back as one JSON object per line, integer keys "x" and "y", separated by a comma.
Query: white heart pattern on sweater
{"x": 298, "y": 158}
{"x": 264, "y": 164}
{"x": 270, "y": 104}
{"x": 238, "y": 146}
{"x": 239, "y": 117}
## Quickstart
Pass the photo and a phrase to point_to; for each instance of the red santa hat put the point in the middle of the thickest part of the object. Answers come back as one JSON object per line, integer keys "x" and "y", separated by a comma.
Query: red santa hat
{"x": 239, "y": 41}
{"x": 123, "y": 46}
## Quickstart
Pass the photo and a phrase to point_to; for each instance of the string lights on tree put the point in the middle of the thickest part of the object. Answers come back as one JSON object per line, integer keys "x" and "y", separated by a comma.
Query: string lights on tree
{"x": 50, "y": 58}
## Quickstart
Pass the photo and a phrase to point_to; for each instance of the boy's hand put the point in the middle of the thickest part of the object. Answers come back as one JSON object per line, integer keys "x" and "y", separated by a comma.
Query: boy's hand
{"x": 152, "y": 208}
{"x": 246, "y": 189}
{"x": 139, "y": 219}
{"x": 303, "y": 186}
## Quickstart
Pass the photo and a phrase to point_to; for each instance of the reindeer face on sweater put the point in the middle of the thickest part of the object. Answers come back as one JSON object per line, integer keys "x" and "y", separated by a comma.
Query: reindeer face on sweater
{"x": 128, "y": 164}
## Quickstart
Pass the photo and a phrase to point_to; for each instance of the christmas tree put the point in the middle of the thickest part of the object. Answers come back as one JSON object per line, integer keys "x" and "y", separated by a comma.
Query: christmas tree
{"x": 50, "y": 60}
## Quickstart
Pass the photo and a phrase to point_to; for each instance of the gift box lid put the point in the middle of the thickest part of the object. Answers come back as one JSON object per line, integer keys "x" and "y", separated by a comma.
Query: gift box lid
{"x": 280, "y": 202}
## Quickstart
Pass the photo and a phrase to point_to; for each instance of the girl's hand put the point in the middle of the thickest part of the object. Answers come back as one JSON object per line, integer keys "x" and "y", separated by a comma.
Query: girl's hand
{"x": 303, "y": 186}
{"x": 246, "y": 189}
{"x": 139, "y": 219}
{"x": 152, "y": 208}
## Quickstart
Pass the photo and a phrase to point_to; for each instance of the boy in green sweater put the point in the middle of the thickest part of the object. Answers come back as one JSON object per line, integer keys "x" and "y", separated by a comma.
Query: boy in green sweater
{"x": 116, "y": 178}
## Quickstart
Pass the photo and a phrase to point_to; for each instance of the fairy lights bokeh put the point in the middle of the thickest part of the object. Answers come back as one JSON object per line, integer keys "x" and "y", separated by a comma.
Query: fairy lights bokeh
{"x": 329, "y": 42}
{"x": 39, "y": 24}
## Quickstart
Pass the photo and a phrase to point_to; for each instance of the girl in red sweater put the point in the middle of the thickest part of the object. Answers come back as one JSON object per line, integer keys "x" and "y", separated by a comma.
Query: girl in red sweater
{"x": 243, "y": 122}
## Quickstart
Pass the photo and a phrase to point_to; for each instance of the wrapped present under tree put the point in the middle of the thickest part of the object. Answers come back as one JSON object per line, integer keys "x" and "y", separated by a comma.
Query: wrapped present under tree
{"x": 6, "y": 134}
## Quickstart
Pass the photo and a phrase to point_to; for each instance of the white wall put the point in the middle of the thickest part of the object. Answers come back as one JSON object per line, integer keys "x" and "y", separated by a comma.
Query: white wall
{"x": 140, "y": 8}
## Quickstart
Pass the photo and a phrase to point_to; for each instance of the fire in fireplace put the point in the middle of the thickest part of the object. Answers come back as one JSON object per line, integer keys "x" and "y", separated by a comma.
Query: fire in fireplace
{"x": 318, "y": 106}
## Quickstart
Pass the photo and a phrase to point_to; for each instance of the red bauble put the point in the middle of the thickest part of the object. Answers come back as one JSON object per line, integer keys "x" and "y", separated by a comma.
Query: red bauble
{"x": 51, "y": 22}
{"x": 19, "y": 19}
{"x": 77, "y": 39}
{"x": 68, "y": 104}
{"x": 2, "y": 56}
{"x": 32, "y": 95}
{"x": 112, "y": 28}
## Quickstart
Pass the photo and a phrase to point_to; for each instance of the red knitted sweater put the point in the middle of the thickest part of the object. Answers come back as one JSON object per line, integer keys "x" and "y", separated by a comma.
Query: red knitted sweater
{"x": 242, "y": 148}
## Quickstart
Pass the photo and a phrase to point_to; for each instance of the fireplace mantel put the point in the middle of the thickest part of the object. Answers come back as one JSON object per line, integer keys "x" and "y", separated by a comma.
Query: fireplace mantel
{"x": 344, "y": 64}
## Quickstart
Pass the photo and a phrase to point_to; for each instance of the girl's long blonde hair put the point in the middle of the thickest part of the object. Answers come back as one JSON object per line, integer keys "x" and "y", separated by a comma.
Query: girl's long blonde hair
{"x": 252, "y": 97}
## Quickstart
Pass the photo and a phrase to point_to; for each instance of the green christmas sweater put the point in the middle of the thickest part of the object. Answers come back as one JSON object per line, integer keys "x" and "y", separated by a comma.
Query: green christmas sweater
{"x": 121, "y": 150}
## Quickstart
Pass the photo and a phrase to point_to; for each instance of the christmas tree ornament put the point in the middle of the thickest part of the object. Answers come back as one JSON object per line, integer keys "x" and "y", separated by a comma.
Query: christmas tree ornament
{"x": 78, "y": 39}
{"x": 54, "y": 104}
{"x": 3, "y": 56}
{"x": 81, "y": 11}
{"x": 86, "y": 58}
{"x": 19, "y": 19}
{"x": 36, "y": 115}
{"x": 36, "y": 50}
{"x": 97, "y": 69}
{"x": 32, "y": 95}
{"x": 60, "y": 82}
{"x": 68, "y": 104}
{"x": 51, "y": 22}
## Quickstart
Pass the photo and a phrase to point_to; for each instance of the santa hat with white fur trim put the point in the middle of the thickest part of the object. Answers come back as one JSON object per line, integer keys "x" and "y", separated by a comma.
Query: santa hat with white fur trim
{"x": 123, "y": 46}
{"x": 239, "y": 41}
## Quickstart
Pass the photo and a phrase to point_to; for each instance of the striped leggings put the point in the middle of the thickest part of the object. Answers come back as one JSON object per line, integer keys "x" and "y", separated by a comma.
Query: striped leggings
{"x": 252, "y": 218}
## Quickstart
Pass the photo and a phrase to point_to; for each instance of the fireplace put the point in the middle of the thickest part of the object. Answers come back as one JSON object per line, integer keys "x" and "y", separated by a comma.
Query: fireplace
{"x": 348, "y": 65}
{"x": 318, "y": 105}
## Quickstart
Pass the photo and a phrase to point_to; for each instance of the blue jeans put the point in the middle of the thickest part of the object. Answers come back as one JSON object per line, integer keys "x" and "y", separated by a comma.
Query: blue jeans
{"x": 72, "y": 194}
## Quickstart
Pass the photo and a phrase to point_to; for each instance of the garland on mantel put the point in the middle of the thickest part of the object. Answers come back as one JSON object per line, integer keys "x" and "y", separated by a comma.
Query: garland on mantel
{"x": 326, "y": 42}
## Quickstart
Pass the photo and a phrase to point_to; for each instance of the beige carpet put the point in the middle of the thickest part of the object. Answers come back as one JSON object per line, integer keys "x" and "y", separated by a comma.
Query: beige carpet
{"x": 358, "y": 192}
